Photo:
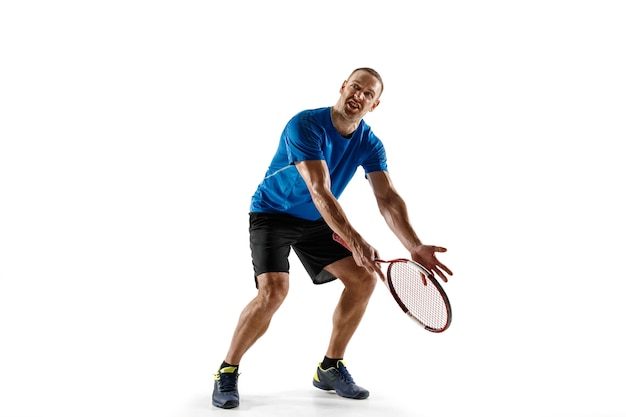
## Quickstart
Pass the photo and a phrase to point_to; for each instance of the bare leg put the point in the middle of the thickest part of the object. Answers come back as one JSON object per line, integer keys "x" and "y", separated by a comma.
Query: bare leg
{"x": 359, "y": 286}
{"x": 257, "y": 315}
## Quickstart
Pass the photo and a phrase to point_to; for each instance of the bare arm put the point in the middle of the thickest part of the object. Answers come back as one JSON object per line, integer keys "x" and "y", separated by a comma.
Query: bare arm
{"x": 317, "y": 179}
{"x": 394, "y": 211}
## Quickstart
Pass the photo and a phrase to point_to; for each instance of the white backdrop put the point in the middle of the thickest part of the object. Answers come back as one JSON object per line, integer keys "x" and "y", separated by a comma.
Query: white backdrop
{"x": 133, "y": 134}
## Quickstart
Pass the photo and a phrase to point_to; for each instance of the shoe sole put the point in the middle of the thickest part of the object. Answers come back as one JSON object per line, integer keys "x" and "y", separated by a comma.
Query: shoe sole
{"x": 322, "y": 386}
{"x": 227, "y": 405}
{"x": 325, "y": 387}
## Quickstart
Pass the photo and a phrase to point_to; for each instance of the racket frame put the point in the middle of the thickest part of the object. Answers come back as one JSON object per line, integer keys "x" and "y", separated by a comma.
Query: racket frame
{"x": 430, "y": 278}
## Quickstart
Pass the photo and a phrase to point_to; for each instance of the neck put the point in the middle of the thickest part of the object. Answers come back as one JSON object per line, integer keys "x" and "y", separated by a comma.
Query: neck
{"x": 344, "y": 126}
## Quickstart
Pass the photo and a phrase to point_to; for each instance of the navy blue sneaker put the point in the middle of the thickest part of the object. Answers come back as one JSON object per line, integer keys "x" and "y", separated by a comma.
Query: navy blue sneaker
{"x": 225, "y": 392}
{"x": 338, "y": 379}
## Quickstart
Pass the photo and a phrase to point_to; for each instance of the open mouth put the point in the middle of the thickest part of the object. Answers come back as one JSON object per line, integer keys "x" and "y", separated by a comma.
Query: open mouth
{"x": 353, "y": 105}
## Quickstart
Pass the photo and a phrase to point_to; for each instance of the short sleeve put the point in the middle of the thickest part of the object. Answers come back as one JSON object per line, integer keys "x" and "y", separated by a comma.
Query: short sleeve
{"x": 303, "y": 139}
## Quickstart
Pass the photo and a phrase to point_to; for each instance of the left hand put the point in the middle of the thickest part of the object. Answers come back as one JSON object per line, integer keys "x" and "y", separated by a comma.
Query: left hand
{"x": 425, "y": 255}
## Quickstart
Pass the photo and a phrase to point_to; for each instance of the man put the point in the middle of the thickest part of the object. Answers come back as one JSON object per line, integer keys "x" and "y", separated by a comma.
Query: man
{"x": 295, "y": 207}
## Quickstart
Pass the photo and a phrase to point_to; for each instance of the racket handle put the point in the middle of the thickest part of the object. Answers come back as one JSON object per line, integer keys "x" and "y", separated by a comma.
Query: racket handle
{"x": 339, "y": 239}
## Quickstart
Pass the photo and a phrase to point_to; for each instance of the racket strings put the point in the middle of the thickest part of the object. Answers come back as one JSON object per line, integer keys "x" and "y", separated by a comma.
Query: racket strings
{"x": 424, "y": 302}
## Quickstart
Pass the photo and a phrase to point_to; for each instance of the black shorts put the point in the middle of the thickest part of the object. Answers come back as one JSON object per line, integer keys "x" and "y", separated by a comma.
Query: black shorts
{"x": 273, "y": 235}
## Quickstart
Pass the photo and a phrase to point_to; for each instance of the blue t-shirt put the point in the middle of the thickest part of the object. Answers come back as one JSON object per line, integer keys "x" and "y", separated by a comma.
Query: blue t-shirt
{"x": 310, "y": 135}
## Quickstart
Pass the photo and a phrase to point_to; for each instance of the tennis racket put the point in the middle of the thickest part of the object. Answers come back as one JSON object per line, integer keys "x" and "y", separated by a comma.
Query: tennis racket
{"x": 416, "y": 291}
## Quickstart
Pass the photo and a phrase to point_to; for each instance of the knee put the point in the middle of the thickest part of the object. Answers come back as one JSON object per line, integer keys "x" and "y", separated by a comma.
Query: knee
{"x": 364, "y": 283}
{"x": 277, "y": 293}
{"x": 370, "y": 281}
{"x": 273, "y": 291}
{"x": 273, "y": 296}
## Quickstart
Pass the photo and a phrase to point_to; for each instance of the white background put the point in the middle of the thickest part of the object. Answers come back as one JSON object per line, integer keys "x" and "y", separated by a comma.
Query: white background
{"x": 133, "y": 134}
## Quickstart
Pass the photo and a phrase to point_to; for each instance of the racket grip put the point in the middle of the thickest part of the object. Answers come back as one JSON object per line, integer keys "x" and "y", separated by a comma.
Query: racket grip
{"x": 339, "y": 239}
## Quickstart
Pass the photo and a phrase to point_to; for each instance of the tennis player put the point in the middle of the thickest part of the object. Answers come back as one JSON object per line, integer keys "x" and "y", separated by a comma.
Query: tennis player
{"x": 296, "y": 207}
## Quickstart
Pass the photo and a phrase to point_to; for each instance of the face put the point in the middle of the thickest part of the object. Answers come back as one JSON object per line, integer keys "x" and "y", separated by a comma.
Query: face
{"x": 359, "y": 95}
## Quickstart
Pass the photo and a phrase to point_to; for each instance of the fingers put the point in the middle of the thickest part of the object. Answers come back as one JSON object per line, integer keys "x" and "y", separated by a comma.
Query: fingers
{"x": 379, "y": 271}
{"x": 439, "y": 269}
{"x": 445, "y": 268}
{"x": 439, "y": 266}
{"x": 373, "y": 266}
{"x": 442, "y": 266}
{"x": 441, "y": 275}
